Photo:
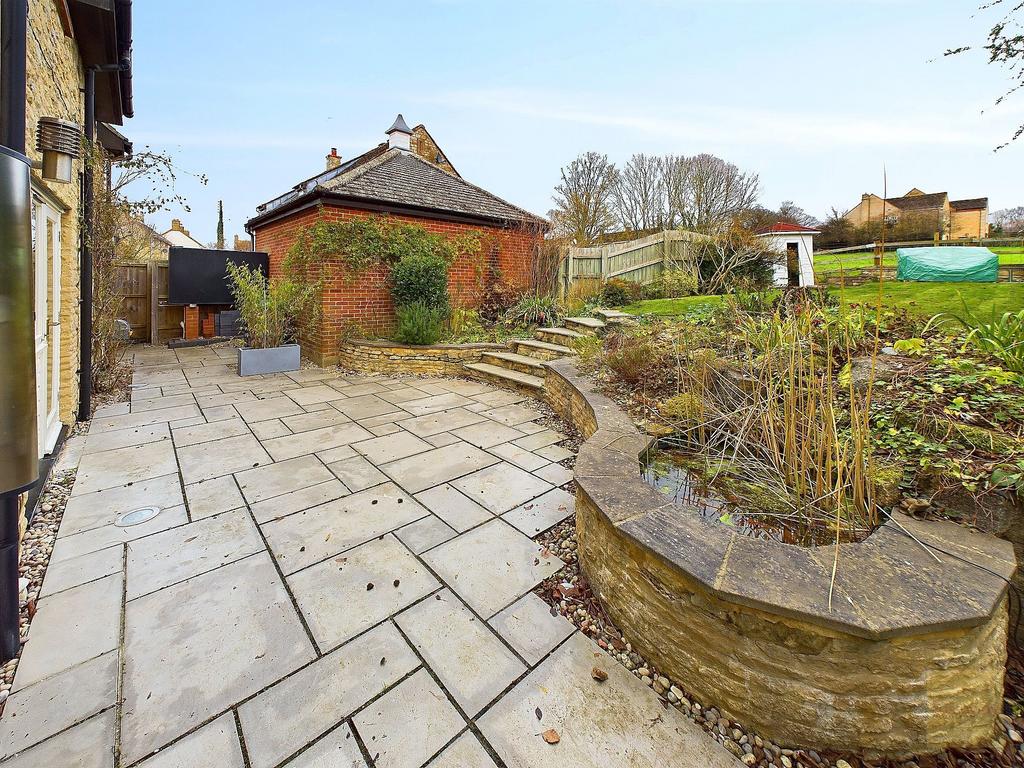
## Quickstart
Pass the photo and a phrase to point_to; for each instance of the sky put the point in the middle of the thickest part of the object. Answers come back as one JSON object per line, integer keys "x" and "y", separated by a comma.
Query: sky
{"x": 823, "y": 99}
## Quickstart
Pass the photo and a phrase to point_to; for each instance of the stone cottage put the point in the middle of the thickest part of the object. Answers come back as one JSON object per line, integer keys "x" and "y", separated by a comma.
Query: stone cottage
{"x": 409, "y": 178}
{"x": 933, "y": 211}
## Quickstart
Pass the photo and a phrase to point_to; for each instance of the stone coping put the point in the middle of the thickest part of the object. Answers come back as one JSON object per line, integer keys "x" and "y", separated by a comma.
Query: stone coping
{"x": 398, "y": 347}
{"x": 887, "y": 586}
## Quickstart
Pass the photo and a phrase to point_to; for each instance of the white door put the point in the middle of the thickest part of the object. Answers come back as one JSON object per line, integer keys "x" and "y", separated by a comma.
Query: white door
{"x": 46, "y": 255}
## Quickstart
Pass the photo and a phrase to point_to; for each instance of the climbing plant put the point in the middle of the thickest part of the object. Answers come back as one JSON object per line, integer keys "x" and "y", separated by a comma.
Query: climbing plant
{"x": 359, "y": 243}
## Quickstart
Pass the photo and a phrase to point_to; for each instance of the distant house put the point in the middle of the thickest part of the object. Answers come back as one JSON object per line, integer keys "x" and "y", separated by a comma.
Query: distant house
{"x": 934, "y": 211}
{"x": 409, "y": 178}
{"x": 178, "y": 235}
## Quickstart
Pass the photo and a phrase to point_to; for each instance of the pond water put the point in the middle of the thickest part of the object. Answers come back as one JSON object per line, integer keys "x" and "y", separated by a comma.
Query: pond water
{"x": 667, "y": 471}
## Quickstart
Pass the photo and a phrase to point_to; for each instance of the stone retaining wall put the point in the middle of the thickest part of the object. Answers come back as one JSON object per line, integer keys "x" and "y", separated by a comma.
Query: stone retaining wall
{"x": 909, "y": 658}
{"x": 391, "y": 357}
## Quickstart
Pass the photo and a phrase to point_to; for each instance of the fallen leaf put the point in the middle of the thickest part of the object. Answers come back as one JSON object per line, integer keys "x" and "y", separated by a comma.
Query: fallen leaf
{"x": 551, "y": 736}
{"x": 538, "y": 713}
{"x": 598, "y": 674}
{"x": 383, "y": 660}
{"x": 369, "y": 586}
{"x": 397, "y": 582}
{"x": 30, "y": 606}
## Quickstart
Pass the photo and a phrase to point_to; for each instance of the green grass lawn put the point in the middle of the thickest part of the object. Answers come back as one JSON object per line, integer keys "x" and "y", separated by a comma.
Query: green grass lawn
{"x": 833, "y": 262}
{"x": 927, "y": 299}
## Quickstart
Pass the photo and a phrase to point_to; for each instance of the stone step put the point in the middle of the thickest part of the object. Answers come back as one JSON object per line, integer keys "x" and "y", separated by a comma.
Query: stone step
{"x": 558, "y": 335}
{"x": 589, "y": 325}
{"x": 541, "y": 350}
{"x": 611, "y": 314}
{"x": 515, "y": 362}
{"x": 507, "y": 378}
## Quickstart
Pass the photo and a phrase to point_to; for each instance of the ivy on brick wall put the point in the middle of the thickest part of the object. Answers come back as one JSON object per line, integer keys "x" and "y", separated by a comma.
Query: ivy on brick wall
{"x": 360, "y": 243}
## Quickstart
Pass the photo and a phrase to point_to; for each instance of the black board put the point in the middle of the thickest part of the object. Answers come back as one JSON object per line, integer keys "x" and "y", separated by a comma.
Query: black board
{"x": 199, "y": 275}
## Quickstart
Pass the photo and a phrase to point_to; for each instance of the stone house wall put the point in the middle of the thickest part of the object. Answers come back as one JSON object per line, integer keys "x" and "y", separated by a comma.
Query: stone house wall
{"x": 54, "y": 79}
{"x": 970, "y": 223}
{"x": 362, "y": 303}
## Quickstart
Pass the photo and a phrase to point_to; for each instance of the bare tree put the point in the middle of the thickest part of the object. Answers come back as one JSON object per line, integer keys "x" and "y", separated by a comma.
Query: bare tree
{"x": 730, "y": 256}
{"x": 1009, "y": 221}
{"x": 584, "y": 199}
{"x": 705, "y": 192}
{"x": 640, "y": 198}
{"x": 1004, "y": 45}
{"x": 792, "y": 213}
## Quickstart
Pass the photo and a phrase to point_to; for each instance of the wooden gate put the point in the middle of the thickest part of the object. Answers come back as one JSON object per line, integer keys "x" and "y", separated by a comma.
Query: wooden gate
{"x": 133, "y": 284}
{"x": 143, "y": 287}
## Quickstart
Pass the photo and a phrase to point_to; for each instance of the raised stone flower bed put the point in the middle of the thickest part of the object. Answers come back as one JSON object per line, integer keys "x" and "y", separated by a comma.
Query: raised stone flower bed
{"x": 908, "y": 658}
{"x": 392, "y": 357}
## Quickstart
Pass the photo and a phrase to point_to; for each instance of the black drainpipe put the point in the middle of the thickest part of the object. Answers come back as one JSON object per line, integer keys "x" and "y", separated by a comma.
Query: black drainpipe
{"x": 18, "y": 467}
{"x": 85, "y": 258}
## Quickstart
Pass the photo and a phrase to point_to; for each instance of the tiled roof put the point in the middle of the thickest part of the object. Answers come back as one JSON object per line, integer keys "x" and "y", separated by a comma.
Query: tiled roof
{"x": 404, "y": 179}
{"x": 785, "y": 227}
{"x": 918, "y": 202}
{"x": 970, "y": 204}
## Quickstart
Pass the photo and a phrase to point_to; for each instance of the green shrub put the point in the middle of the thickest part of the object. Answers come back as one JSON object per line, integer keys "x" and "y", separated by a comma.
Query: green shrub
{"x": 420, "y": 277}
{"x": 534, "y": 310}
{"x": 270, "y": 309}
{"x": 632, "y": 359}
{"x": 420, "y": 323}
{"x": 676, "y": 283}
{"x": 616, "y": 292}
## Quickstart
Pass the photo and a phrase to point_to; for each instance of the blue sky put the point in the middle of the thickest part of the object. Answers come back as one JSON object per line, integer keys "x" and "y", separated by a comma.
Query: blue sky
{"x": 816, "y": 96}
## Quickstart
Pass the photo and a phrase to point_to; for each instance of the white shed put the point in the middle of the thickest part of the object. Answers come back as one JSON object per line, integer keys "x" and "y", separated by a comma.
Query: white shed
{"x": 796, "y": 244}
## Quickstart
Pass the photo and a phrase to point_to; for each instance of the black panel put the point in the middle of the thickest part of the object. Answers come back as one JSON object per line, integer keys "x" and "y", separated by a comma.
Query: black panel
{"x": 199, "y": 275}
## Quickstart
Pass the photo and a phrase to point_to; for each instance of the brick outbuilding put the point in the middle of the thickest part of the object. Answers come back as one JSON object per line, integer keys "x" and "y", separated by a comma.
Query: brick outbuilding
{"x": 410, "y": 179}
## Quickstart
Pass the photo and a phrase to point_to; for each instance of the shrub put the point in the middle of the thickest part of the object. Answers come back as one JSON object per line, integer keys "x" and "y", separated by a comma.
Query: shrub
{"x": 270, "y": 309}
{"x": 1002, "y": 337}
{"x": 534, "y": 310}
{"x": 675, "y": 283}
{"x": 617, "y": 293}
{"x": 420, "y": 277}
{"x": 419, "y": 323}
{"x": 632, "y": 359}
{"x": 498, "y": 298}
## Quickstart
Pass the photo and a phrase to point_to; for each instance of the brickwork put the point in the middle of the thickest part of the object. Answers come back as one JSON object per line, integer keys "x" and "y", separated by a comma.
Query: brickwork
{"x": 386, "y": 357}
{"x": 362, "y": 303}
{"x": 191, "y": 321}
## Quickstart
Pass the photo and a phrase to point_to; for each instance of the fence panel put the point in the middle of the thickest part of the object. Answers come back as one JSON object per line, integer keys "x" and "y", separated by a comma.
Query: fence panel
{"x": 132, "y": 284}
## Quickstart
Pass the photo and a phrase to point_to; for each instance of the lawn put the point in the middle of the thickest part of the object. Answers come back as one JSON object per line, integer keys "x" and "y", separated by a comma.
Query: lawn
{"x": 927, "y": 299}
{"x": 833, "y": 262}
{"x": 924, "y": 299}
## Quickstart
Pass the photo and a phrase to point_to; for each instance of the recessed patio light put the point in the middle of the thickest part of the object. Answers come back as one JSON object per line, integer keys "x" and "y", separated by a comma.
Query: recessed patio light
{"x": 136, "y": 517}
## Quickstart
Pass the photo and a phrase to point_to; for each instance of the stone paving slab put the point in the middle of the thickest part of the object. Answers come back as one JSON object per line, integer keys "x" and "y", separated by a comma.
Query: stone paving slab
{"x": 357, "y": 474}
{"x": 501, "y": 487}
{"x": 92, "y": 510}
{"x": 614, "y": 723}
{"x": 391, "y": 447}
{"x": 306, "y": 422}
{"x": 425, "y": 470}
{"x": 105, "y": 536}
{"x": 338, "y": 749}
{"x": 464, "y": 752}
{"x": 162, "y": 559}
{"x": 491, "y": 566}
{"x": 215, "y": 744}
{"x": 344, "y": 595}
{"x": 424, "y": 426}
{"x": 425, "y": 533}
{"x": 123, "y": 466}
{"x": 296, "y": 501}
{"x": 530, "y": 628}
{"x": 555, "y": 474}
{"x": 71, "y": 627}
{"x": 221, "y": 457}
{"x": 87, "y": 745}
{"x": 536, "y": 516}
{"x": 122, "y": 438}
{"x": 454, "y": 508}
{"x": 211, "y": 497}
{"x": 79, "y": 570}
{"x": 39, "y": 711}
{"x": 408, "y": 724}
{"x": 132, "y": 420}
{"x": 204, "y": 433}
{"x": 195, "y": 648}
{"x": 284, "y": 718}
{"x": 316, "y": 394}
{"x": 487, "y": 434}
{"x": 281, "y": 477}
{"x": 289, "y": 447}
{"x": 303, "y": 538}
{"x": 271, "y": 408}
{"x": 472, "y": 664}
{"x": 520, "y": 457}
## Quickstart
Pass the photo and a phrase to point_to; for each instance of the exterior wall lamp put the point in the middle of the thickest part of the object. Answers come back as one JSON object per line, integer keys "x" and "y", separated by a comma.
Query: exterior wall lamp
{"x": 60, "y": 142}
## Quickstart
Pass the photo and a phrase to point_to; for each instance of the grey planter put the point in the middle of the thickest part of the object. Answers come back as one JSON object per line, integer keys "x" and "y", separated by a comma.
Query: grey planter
{"x": 272, "y": 360}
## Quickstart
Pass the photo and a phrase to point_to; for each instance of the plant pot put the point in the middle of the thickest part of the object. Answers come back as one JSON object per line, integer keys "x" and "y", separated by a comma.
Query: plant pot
{"x": 270, "y": 360}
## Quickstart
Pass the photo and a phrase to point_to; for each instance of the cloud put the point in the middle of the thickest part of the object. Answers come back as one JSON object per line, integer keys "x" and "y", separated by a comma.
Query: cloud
{"x": 787, "y": 125}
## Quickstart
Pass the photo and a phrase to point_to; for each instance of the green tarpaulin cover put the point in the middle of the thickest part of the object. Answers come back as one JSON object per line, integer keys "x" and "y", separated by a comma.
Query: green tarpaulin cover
{"x": 948, "y": 264}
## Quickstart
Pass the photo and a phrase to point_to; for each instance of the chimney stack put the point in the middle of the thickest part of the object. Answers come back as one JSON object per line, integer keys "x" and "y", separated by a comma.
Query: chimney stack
{"x": 399, "y": 134}
{"x": 177, "y": 226}
{"x": 333, "y": 159}
{"x": 243, "y": 243}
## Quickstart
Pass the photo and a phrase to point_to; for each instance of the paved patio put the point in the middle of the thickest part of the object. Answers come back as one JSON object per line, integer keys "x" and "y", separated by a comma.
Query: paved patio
{"x": 340, "y": 574}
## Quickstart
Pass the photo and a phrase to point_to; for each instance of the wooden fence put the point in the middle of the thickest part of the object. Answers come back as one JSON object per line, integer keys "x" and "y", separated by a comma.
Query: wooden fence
{"x": 639, "y": 261}
{"x": 143, "y": 286}
{"x": 874, "y": 247}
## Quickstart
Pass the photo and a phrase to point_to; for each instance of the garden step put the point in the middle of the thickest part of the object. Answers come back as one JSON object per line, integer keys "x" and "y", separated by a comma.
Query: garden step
{"x": 584, "y": 324}
{"x": 507, "y": 378}
{"x": 515, "y": 362}
{"x": 610, "y": 314}
{"x": 558, "y": 335}
{"x": 541, "y": 350}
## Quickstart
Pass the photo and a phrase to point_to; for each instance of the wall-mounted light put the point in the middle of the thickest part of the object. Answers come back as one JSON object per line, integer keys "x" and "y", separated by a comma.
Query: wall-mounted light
{"x": 60, "y": 141}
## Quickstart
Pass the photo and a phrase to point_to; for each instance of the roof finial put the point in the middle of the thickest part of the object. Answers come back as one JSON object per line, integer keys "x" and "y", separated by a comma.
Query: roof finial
{"x": 399, "y": 134}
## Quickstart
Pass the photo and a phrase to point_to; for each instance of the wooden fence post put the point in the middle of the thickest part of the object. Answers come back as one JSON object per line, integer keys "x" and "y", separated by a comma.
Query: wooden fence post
{"x": 604, "y": 262}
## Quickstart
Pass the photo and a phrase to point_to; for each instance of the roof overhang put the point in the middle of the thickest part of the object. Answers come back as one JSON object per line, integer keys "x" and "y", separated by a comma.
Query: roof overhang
{"x": 103, "y": 33}
{"x": 323, "y": 197}
{"x": 114, "y": 143}
{"x": 789, "y": 233}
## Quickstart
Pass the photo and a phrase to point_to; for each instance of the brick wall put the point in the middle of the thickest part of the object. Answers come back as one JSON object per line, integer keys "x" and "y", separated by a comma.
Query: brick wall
{"x": 971, "y": 223}
{"x": 362, "y": 302}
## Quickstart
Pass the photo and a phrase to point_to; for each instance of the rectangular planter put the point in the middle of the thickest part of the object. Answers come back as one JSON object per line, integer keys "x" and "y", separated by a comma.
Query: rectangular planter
{"x": 272, "y": 360}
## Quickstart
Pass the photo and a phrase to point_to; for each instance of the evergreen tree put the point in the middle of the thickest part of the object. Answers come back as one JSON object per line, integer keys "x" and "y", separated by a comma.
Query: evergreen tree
{"x": 220, "y": 223}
